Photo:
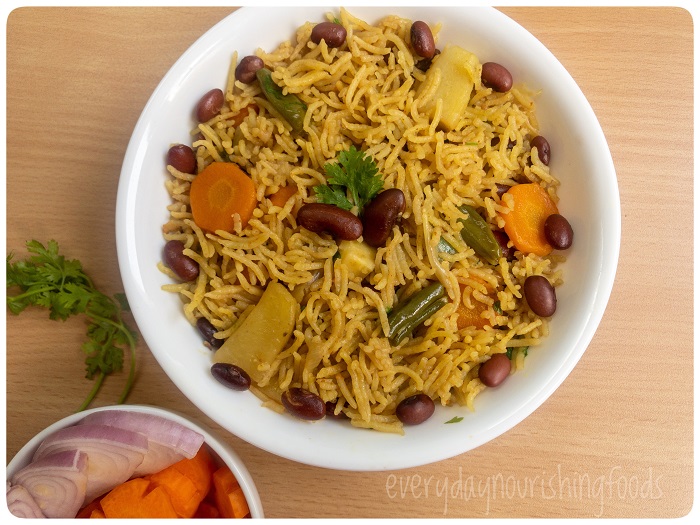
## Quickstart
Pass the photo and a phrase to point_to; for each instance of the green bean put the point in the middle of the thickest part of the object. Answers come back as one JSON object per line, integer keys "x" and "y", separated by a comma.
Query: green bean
{"x": 478, "y": 236}
{"x": 411, "y": 314}
{"x": 445, "y": 247}
{"x": 289, "y": 106}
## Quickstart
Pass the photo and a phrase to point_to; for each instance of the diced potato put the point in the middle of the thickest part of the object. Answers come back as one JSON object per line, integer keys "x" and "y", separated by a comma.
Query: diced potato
{"x": 358, "y": 257}
{"x": 457, "y": 71}
{"x": 263, "y": 334}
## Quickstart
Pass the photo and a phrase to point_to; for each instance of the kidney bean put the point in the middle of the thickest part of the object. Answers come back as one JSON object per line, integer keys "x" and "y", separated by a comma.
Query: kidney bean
{"x": 544, "y": 151}
{"x": 334, "y": 34}
{"x": 232, "y": 376}
{"x": 184, "y": 267}
{"x": 303, "y": 404}
{"x": 496, "y": 77}
{"x": 182, "y": 158}
{"x": 380, "y": 215}
{"x": 506, "y": 251}
{"x": 494, "y": 371}
{"x": 209, "y": 105}
{"x": 208, "y": 331}
{"x": 415, "y": 410}
{"x": 558, "y": 232}
{"x": 540, "y": 295}
{"x": 422, "y": 39}
{"x": 318, "y": 217}
{"x": 246, "y": 68}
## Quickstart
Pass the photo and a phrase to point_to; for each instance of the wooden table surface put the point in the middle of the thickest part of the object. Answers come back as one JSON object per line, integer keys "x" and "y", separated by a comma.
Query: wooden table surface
{"x": 615, "y": 440}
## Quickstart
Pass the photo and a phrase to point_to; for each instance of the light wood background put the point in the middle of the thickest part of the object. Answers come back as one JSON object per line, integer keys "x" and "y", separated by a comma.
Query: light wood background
{"x": 615, "y": 440}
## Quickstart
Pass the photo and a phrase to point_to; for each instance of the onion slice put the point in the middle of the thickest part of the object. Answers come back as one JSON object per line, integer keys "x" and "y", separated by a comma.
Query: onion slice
{"x": 56, "y": 483}
{"x": 168, "y": 441}
{"x": 21, "y": 503}
{"x": 113, "y": 454}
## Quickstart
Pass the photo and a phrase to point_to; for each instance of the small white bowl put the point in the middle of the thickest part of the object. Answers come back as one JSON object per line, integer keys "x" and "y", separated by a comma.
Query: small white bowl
{"x": 222, "y": 453}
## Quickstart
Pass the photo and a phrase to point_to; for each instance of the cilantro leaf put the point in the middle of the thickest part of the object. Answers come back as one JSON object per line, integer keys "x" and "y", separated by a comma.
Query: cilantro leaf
{"x": 355, "y": 171}
{"x": 455, "y": 419}
{"x": 48, "y": 280}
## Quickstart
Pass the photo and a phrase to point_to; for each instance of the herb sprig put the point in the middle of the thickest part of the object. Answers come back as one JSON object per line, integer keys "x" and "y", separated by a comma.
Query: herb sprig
{"x": 355, "y": 174}
{"x": 49, "y": 280}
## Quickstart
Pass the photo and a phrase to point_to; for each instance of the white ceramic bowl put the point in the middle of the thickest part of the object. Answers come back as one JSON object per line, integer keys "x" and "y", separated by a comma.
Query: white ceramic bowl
{"x": 589, "y": 198}
{"x": 221, "y": 451}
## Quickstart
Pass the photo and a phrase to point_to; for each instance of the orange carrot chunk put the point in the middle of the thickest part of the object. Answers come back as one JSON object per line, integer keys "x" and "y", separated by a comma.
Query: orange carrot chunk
{"x": 187, "y": 482}
{"x": 471, "y": 316}
{"x": 134, "y": 499}
{"x": 206, "y": 510}
{"x": 86, "y": 511}
{"x": 217, "y": 193}
{"x": 97, "y": 513}
{"x": 228, "y": 495}
{"x": 524, "y": 224}
{"x": 281, "y": 196}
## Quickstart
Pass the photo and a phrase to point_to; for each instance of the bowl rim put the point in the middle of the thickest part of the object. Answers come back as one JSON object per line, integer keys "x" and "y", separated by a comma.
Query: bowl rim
{"x": 134, "y": 288}
{"x": 223, "y": 451}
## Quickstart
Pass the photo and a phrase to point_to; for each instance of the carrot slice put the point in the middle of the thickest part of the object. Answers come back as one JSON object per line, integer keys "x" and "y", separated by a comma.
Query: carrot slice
{"x": 133, "y": 499}
{"x": 281, "y": 196}
{"x": 471, "y": 316}
{"x": 217, "y": 193}
{"x": 242, "y": 114}
{"x": 87, "y": 510}
{"x": 97, "y": 513}
{"x": 524, "y": 224}
{"x": 228, "y": 495}
{"x": 206, "y": 510}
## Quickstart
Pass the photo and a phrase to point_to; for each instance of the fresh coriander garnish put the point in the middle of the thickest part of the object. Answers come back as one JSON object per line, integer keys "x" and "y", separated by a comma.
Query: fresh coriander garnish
{"x": 47, "y": 279}
{"x": 455, "y": 419}
{"x": 354, "y": 173}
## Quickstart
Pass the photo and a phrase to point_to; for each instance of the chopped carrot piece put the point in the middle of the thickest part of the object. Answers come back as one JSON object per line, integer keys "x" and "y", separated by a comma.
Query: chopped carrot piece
{"x": 218, "y": 192}
{"x": 187, "y": 482}
{"x": 524, "y": 224}
{"x": 228, "y": 495}
{"x": 471, "y": 316}
{"x": 97, "y": 513}
{"x": 132, "y": 499}
{"x": 281, "y": 196}
{"x": 87, "y": 509}
{"x": 242, "y": 114}
{"x": 206, "y": 510}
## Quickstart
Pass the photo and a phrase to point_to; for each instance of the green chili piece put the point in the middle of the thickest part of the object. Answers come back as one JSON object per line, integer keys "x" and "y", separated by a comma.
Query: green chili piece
{"x": 289, "y": 106}
{"x": 420, "y": 306}
{"x": 445, "y": 247}
{"x": 478, "y": 236}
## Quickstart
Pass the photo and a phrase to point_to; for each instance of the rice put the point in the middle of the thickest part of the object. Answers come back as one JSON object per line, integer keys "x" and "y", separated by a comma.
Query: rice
{"x": 365, "y": 93}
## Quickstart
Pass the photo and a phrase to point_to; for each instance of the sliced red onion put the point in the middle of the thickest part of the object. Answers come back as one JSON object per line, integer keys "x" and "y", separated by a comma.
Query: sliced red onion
{"x": 168, "y": 441}
{"x": 21, "y": 503}
{"x": 113, "y": 453}
{"x": 56, "y": 482}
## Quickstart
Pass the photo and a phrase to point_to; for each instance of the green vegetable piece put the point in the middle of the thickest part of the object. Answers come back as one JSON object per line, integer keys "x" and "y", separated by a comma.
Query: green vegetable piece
{"x": 478, "y": 236}
{"x": 445, "y": 247}
{"x": 455, "y": 419}
{"x": 289, "y": 106}
{"x": 355, "y": 171}
{"x": 49, "y": 280}
{"x": 416, "y": 310}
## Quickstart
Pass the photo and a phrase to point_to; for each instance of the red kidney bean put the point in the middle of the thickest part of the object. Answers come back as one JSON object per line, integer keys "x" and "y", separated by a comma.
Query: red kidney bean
{"x": 494, "y": 371}
{"x": 496, "y": 77}
{"x": 184, "y": 267}
{"x": 502, "y": 238}
{"x": 208, "y": 331}
{"x": 540, "y": 295}
{"x": 558, "y": 232}
{"x": 246, "y": 68}
{"x": 231, "y": 376}
{"x": 424, "y": 63}
{"x": 422, "y": 39}
{"x": 415, "y": 410}
{"x": 544, "y": 151}
{"x": 303, "y": 404}
{"x": 380, "y": 215}
{"x": 334, "y": 34}
{"x": 209, "y": 105}
{"x": 182, "y": 158}
{"x": 318, "y": 217}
